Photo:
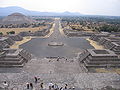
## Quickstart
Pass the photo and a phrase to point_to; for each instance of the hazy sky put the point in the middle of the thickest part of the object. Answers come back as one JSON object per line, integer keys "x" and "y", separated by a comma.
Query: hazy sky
{"x": 99, "y": 7}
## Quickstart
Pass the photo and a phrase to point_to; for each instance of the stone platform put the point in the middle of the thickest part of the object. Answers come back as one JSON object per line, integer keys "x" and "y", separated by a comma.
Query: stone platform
{"x": 96, "y": 37}
{"x": 112, "y": 43}
{"x": 5, "y": 42}
{"x": 16, "y": 37}
{"x": 92, "y": 58}
{"x": 55, "y": 44}
{"x": 14, "y": 57}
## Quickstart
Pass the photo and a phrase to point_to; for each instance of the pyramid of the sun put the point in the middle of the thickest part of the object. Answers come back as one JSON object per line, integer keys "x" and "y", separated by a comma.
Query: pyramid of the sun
{"x": 16, "y": 18}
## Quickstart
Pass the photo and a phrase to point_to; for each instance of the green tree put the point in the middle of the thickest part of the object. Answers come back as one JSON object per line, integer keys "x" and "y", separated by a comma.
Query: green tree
{"x": 1, "y": 33}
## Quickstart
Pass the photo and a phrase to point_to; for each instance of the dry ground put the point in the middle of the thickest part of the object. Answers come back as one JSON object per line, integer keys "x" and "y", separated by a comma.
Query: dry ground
{"x": 18, "y": 30}
{"x": 28, "y": 38}
{"x": 95, "y": 44}
{"x": 112, "y": 70}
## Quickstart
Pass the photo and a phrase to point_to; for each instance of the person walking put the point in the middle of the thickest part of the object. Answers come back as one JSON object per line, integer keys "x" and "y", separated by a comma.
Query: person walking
{"x": 50, "y": 85}
{"x": 31, "y": 85}
{"x": 28, "y": 86}
{"x": 41, "y": 85}
{"x": 56, "y": 87}
{"x": 66, "y": 86}
{"x": 5, "y": 85}
{"x": 36, "y": 79}
{"x": 61, "y": 88}
{"x": 73, "y": 88}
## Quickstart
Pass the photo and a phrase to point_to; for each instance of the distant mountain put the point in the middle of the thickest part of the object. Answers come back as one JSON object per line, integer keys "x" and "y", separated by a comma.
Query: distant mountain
{"x": 16, "y": 18}
{"x": 9, "y": 10}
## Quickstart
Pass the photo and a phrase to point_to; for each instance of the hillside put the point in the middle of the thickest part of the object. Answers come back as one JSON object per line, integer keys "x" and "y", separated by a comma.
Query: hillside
{"x": 9, "y": 10}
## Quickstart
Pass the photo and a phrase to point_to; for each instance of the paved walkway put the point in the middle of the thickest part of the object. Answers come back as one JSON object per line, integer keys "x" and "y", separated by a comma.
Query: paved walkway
{"x": 59, "y": 72}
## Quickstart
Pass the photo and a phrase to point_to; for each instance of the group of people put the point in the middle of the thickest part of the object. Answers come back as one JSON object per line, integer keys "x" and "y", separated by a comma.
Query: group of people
{"x": 56, "y": 87}
{"x": 5, "y": 84}
{"x": 50, "y": 85}
{"x": 29, "y": 85}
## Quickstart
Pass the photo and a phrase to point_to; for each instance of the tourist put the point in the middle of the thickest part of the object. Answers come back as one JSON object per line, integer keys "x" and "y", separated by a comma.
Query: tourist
{"x": 31, "y": 85}
{"x": 41, "y": 85}
{"x": 5, "y": 84}
{"x": 58, "y": 58}
{"x": 36, "y": 79}
{"x": 27, "y": 85}
{"x": 51, "y": 85}
{"x": 61, "y": 88}
{"x": 73, "y": 88}
{"x": 56, "y": 87}
{"x": 66, "y": 59}
{"x": 66, "y": 86}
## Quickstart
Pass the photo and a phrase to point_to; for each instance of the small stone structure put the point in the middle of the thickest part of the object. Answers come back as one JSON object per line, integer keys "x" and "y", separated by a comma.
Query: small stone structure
{"x": 112, "y": 43}
{"x": 41, "y": 32}
{"x": 109, "y": 42}
{"x": 104, "y": 40}
{"x": 93, "y": 58}
{"x": 16, "y": 37}
{"x": 23, "y": 34}
{"x": 36, "y": 33}
{"x": 14, "y": 57}
{"x": 72, "y": 33}
{"x": 55, "y": 44}
{"x": 5, "y": 42}
{"x": 116, "y": 47}
{"x": 96, "y": 37}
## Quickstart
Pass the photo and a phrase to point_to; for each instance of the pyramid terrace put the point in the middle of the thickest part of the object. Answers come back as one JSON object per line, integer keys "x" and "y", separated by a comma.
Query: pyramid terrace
{"x": 99, "y": 58}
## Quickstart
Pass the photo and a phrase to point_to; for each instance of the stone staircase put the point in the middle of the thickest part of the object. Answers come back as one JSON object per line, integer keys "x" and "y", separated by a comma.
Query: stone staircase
{"x": 14, "y": 58}
{"x": 6, "y": 42}
{"x": 16, "y": 37}
{"x": 81, "y": 81}
{"x": 99, "y": 58}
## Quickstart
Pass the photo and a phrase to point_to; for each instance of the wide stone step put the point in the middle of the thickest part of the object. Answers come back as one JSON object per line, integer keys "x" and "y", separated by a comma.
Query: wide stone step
{"x": 102, "y": 62}
{"x": 102, "y": 58}
{"x": 12, "y": 62}
{"x": 9, "y": 66}
{"x": 100, "y": 65}
{"x": 11, "y": 59}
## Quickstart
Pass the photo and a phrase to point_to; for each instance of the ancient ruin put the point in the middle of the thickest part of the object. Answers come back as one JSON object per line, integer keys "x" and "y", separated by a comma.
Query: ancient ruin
{"x": 5, "y": 42}
{"x": 55, "y": 44}
{"x": 14, "y": 57}
{"x": 96, "y": 37}
{"x": 16, "y": 18}
{"x": 16, "y": 37}
{"x": 93, "y": 58}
